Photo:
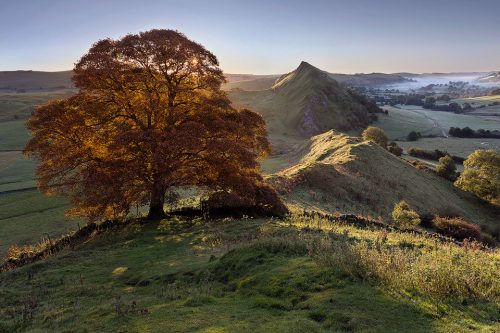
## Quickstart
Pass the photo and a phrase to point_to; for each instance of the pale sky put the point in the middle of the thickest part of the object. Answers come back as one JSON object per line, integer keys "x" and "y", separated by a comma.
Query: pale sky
{"x": 265, "y": 37}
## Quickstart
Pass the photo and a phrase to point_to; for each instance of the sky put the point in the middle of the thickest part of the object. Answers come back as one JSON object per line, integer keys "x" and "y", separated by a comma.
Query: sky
{"x": 266, "y": 37}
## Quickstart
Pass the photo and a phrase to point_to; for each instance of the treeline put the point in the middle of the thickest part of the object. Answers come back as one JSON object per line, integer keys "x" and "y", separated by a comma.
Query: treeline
{"x": 431, "y": 103}
{"x": 434, "y": 155}
{"x": 468, "y": 132}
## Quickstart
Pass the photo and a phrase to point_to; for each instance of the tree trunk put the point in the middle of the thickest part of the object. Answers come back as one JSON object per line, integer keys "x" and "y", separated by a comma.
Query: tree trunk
{"x": 156, "y": 203}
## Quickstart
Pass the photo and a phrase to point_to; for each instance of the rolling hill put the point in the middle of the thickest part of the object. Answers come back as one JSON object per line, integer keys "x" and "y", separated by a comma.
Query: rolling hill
{"x": 492, "y": 78}
{"x": 305, "y": 102}
{"x": 369, "y": 79}
{"x": 335, "y": 172}
{"x": 35, "y": 80}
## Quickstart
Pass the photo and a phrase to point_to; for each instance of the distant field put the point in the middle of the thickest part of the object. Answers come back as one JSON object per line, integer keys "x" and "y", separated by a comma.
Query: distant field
{"x": 25, "y": 214}
{"x": 13, "y": 135}
{"x": 26, "y": 217}
{"x": 20, "y": 105}
{"x": 398, "y": 123}
{"x": 449, "y": 119}
{"x": 16, "y": 172}
{"x": 406, "y": 118}
{"x": 455, "y": 146}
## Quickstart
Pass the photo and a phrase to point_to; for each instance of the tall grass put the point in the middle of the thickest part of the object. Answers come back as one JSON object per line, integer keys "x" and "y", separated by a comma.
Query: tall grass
{"x": 443, "y": 270}
{"x": 446, "y": 271}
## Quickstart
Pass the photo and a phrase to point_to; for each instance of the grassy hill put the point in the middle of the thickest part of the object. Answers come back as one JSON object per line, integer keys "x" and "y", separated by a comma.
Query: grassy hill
{"x": 300, "y": 274}
{"x": 254, "y": 275}
{"x": 263, "y": 82}
{"x": 335, "y": 172}
{"x": 306, "y": 102}
{"x": 35, "y": 80}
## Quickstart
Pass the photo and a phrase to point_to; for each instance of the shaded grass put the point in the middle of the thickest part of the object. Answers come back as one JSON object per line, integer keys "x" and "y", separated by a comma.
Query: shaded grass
{"x": 180, "y": 275}
{"x": 26, "y": 217}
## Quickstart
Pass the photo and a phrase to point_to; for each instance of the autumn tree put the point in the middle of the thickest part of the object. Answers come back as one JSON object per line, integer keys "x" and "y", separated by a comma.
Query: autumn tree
{"x": 376, "y": 135}
{"x": 481, "y": 175}
{"x": 150, "y": 115}
{"x": 446, "y": 168}
{"x": 404, "y": 216}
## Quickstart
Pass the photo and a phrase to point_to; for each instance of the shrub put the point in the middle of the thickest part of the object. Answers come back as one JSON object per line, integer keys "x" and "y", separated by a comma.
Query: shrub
{"x": 433, "y": 154}
{"x": 446, "y": 168}
{"x": 395, "y": 149}
{"x": 457, "y": 228}
{"x": 376, "y": 135}
{"x": 426, "y": 220}
{"x": 413, "y": 136}
{"x": 419, "y": 165}
{"x": 404, "y": 216}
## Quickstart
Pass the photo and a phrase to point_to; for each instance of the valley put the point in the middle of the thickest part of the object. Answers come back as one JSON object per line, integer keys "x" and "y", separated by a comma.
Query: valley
{"x": 266, "y": 274}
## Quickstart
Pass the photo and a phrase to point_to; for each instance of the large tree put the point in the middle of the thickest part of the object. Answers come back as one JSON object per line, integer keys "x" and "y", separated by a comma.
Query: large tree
{"x": 149, "y": 115}
{"x": 481, "y": 175}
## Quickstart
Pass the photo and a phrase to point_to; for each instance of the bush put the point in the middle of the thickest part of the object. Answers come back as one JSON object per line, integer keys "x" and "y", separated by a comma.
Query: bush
{"x": 395, "y": 149}
{"x": 376, "y": 135}
{"x": 413, "y": 136}
{"x": 404, "y": 216}
{"x": 446, "y": 168}
{"x": 433, "y": 154}
{"x": 457, "y": 228}
{"x": 419, "y": 165}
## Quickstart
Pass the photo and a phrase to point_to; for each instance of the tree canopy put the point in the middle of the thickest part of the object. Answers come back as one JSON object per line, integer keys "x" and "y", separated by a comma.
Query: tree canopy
{"x": 481, "y": 175}
{"x": 149, "y": 115}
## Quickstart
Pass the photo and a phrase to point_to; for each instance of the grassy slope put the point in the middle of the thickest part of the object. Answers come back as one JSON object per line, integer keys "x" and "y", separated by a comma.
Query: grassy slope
{"x": 334, "y": 172}
{"x": 259, "y": 82}
{"x": 302, "y": 102}
{"x": 27, "y": 216}
{"x": 208, "y": 278}
{"x": 406, "y": 118}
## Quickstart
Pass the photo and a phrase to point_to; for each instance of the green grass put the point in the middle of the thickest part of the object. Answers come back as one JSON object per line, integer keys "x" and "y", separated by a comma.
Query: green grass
{"x": 26, "y": 217}
{"x": 16, "y": 172}
{"x": 13, "y": 135}
{"x": 398, "y": 123}
{"x": 406, "y": 118}
{"x": 225, "y": 276}
{"x": 455, "y": 146}
{"x": 19, "y": 106}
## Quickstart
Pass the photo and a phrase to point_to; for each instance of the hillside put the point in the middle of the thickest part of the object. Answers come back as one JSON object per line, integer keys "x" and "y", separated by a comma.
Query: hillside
{"x": 253, "y": 275}
{"x": 263, "y": 82}
{"x": 369, "y": 79}
{"x": 335, "y": 172}
{"x": 492, "y": 78}
{"x": 34, "y": 80}
{"x": 306, "y": 102}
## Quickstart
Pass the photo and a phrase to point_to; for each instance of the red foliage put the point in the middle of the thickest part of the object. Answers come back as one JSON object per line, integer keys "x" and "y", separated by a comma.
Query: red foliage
{"x": 149, "y": 115}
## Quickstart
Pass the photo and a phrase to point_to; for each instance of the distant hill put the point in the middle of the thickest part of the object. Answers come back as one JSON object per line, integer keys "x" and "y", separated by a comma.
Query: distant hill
{"x": 305, "y": 102}
{"x": 34, "y": 80}
{"x": 369, "y": 80}
{"x": 492, "y": 77}
{"x": 335, "y": 172}
{"x": 262, "y": 82}
{"x": 249, "y": 81}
